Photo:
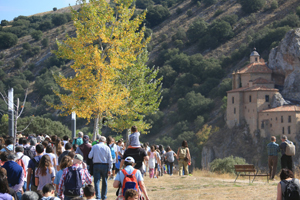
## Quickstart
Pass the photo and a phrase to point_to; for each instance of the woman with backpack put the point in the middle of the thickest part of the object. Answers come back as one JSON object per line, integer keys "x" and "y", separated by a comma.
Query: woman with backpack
{"x": 288, "y": 187}
{"x": 4, "y": 188}
{"x": 45, "y": 173}
{"x": 184, "y": 157}
{"x": 169, "y": 158}
{"x": 66, "y": 161}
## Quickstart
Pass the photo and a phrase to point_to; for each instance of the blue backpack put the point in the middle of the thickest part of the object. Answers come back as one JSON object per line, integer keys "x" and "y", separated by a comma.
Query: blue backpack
{"x": 113, "y": 153}
{"x": 73, "y": 182}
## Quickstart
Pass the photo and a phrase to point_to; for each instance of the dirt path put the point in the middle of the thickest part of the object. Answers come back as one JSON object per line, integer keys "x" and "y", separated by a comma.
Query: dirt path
{"x": 200, "y": 187}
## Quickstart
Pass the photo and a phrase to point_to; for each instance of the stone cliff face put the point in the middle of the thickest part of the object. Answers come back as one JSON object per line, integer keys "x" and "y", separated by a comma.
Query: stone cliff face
{"x": 284, "y": 60}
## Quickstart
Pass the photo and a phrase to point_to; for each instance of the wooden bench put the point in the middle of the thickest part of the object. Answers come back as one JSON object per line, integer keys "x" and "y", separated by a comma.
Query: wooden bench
{"x": 248, "y": 169}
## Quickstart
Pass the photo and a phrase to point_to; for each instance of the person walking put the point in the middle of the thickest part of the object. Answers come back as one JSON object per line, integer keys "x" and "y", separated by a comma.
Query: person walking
{"x": 79, "y": 140}
{"x": 32, "y": 165}
{"x": 26, "y": 159}
{"x": 4, "y": 188}
{"x": 114, "y": 152}
{"x": 183, "y": 156}
{"x": 288, "y": 186}
{"x": 45, "y": 173}
{"x": 65, "y": 162}
{"x": 153, "y": 156}
{"x": 273, "y": 149}
{"x": 102, "y": 159}
{"x": 85, "y": 148}
{"x": 286, "y": 160}
{"x": 169, "y": 158}
{"x": 68, "y": 148}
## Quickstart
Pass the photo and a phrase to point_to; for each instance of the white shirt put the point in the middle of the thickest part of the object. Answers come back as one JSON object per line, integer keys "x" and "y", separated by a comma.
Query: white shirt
{"x": 52, "y": 156}
{"x": 26, "y": 160}
{"x": 116, "y": 151}
{"x": 120, "y": 149}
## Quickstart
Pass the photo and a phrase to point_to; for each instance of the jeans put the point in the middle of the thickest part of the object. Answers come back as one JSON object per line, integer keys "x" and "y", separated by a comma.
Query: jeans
{"x": 170, "y": 167}
{"x": 100, "y": 171}
{"x": 19, "y": 194}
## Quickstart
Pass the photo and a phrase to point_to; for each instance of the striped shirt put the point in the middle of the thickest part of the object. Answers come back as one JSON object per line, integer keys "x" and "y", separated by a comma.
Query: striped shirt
{"x": 273, "y": 149}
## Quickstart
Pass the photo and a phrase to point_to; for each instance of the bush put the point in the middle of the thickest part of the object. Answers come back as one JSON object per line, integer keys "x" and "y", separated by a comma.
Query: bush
{"x": 59, "y": 19}
{"x": 54, "y": 9}
{"x": 226, "y": 165}
{"x": 231, "y": 19}
{"x": 18, "y": 63}
{"x": 157, "y": 15}
{"x": 209, "y": 2}
{"x": 197, "y": 30}
{"x": 21, "y": 22}
{"x": 46, "y": 25}
{"x": 221, "y": 30}
{"x": 178, "y": 11}
{"x": 37, "y": 35}
{"x": 143, "y": 4}
{"x": 298, "y": 11}
{"x": 189, "y": 12}
{"x": 179, "y": 44}
{"x": 179, "y": 35}
{"x": 2, "y": 56}
{"x": 17, "y": 30}
{"x": 169, "y": 75}
{"x": 250, "y": 6}
{"x": 36, "y": 50}
{"x": 45, "y": 42}
{"x": 274, "y": 4}
{"x": 218, "y": 12}
{"x": 26, "y": 46}
{"x": 290, "y": 20}
{"x": 7, "y": 40}
{"x": 4, "y": 22}
{"x": 180, "y": 63}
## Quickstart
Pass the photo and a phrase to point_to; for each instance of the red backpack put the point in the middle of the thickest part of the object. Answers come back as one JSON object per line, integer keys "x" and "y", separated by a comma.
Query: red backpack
{"x": 129, "y": 181}
{"x": 21, "y": 163}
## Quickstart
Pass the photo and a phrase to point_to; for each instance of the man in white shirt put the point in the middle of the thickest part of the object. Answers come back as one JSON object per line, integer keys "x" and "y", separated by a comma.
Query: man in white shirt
{"x": 26, "y": 159}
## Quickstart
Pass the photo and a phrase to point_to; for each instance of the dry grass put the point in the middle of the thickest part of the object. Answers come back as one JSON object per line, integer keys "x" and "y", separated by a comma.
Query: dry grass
{"x": 205, "y": 185}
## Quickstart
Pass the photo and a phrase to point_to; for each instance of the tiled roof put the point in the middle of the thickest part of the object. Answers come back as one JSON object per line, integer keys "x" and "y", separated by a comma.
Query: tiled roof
{"x": 286, "y": 108}
{"x": 256, "y": 67}
{"x": 254, "y": 88}
{"x": 261, "y": 81}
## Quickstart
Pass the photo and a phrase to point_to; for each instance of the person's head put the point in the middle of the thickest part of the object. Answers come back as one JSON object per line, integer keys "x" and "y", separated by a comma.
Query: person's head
{"x": 9, "y": 141}
{"x": 4, "y": 188}
{"x": 66, "y": 138}
{"x": 129, "y": 161}
{"x": 184, "y": 143}
{"x": 80, "y": 134}
{"x": 25, "y": 141}
{"x": 21, "y": 140}
{"x": 49, "y": 149}
{"x": 78, "y": 159}
{"x": 30, "y": 195}
{"x": 45, "y": 143}
{"x": 58, "y": 146}
{"x": 4, "y": 156}
{"x": 12, "y": 157}
{"x": 102, "y": 139}
{"x": 131, "y": 194}
{"x": 68, "y": 146}
{"x": 89, "y": 191}
{"x": 98, "y": 137}
{"x": 48, "y": 190}
{"x": 66, "y": 161}
{"x": 78, "y": 198}
{"x": 19, "y": 149}
{"x": 286, "y": 173}
{"x": 161, "y": 147}
{"x": 109, "y": 140}
{"x": 134, "y": 129}
{"x": 74, "y": 147}
{"x": 71, "y": 154}
{"x": 39, "y": 149}
{"x": 168, "y": 149}
{"x": 53, "y": 138}
{"x": 152, "y": 148}
{"x": 283, "y": 138}
{"x": 86, "y": 139}
{"x": 45, "y": 163}
{"x": 32, "y": 141}
{"x": 273, "y": 139}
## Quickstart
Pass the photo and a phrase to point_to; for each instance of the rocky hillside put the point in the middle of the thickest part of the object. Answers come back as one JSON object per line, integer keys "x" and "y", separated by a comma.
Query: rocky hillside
{"x": 196, "y": 45}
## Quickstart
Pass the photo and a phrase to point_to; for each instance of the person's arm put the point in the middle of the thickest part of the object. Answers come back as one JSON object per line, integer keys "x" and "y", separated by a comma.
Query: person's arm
{"x": 157, "y": 159}
{"x": 175, "y": 154}
{"x": 122, "y": 163}
{"x": 178, "y": 154}
{"x": 36, "y": 181}
{"x": 116, "y": 184}
{"x": 146, "y": 158}
{"x": 279, "y": 195}
{"x": 91, "y": 153}
{"x": 188, "y": 154}
{"x": 18, "y": 187}
{"x": 28, "y": 178}
{"x": 143, "y": 188}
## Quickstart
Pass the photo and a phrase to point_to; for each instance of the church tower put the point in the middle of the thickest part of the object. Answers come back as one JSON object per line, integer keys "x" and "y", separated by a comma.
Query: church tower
{"x": 254, "y": 56}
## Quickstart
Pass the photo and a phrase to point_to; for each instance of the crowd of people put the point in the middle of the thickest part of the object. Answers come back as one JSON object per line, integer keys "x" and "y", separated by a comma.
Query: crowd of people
{"x": 48, "y": 168}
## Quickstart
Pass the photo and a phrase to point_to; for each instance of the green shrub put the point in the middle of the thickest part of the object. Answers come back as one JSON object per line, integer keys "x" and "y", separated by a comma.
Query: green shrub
{"x": 178, "y": 11}
{"x": 197, "y": 30}
{"x": 250, "y": 6}
{"x": 4, "y": 22}
{"x": 7, "y": 40}
{"x": 59, "y": 19}
{"x": 199, "y": 121}
{"x": 45, "y": 42}
{"x": 189, "y": 12}
{"x": 1, "y": 63}
{"x": 209, "y": 2}
{"x": 231, "y": 19}
{"x": 2, "y": 56}
{"x": 26, "y": 46}
{"x": 37, "y": 35}
{"x": 179, "y": 62}
{"x": 198, "y": 4}
{"x": 218, "y": 12}
{"x": 179, "y": 35}
{"x": 54, "y": 9}
{"x": 298, "y": 11}
{"x": 291, "y": 20}
{"x": 165, "y": 45}
{"x": 46, "y": 25}
{"x": 156, "y": 15}
{"x": 274, "y": 4}
{"x": 221, "y": 30}
{"x": 179, "y": 44}
{"x": 36, "y": 50}
{"x": 226, "y": 165}
{"x": 143, "y": 4}
{"x": 18, "y": 63}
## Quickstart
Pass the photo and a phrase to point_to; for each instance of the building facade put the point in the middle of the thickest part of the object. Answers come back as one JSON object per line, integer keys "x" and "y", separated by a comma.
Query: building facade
{"x": 250, "y": 102}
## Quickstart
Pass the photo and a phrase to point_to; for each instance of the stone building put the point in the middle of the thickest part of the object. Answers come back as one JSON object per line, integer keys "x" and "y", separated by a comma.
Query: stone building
{"x": 255, "y": 100}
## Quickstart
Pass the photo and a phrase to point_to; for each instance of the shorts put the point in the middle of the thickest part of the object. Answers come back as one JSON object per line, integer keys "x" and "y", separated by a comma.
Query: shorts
{"x": 156, "y": 165}
{"x": 114, "y": 166}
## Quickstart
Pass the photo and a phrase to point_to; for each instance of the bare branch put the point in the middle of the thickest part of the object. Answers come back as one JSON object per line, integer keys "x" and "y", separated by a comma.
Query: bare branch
{"x": 4, "y": 98}
{"x": 23, "y": 103}
{"x": 26, "y": 126}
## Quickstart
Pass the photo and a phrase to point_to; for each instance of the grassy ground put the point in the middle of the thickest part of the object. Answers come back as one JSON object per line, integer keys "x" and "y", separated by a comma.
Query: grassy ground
{"x": 205, "y": 185}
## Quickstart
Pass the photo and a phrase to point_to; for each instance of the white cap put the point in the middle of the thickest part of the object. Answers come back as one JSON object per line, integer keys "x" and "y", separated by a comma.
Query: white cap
{"x": 129, "y": 159}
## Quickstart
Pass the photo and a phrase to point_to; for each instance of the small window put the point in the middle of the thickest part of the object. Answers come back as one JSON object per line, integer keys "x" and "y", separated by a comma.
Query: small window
{"x": 282, "y": 130}
{"x": 290, "y": 118}
{"x": 262, "y": 125}
{"x": 255, "y": 59}
{"x": 232, "y": 100}
{"x": 234, "y": 110}
{"x": 267, "y": 98}
{"x": 250, "y": 98}
{"x": 270, "y": 125}
{"x": 289, "y": 130}
{"x": 281, "y": 119}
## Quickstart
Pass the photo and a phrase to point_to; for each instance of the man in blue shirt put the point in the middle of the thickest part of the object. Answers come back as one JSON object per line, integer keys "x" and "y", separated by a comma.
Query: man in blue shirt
{"x": 273, "y": 149}
{"x": 102, "y": 160}
{"x": 129, "y": 163}
{"x": 9, "y": 145}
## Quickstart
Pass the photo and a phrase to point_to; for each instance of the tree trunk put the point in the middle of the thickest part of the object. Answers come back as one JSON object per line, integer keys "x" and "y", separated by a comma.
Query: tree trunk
{"x": 97, "y": 121}
{"x": 127, "y": 136}
{"x": 16, "y": 124}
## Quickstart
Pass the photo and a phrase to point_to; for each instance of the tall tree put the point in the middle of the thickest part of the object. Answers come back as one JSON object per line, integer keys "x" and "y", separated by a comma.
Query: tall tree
{"x": 108, "y": 39}
{"x": 144, "y": 95}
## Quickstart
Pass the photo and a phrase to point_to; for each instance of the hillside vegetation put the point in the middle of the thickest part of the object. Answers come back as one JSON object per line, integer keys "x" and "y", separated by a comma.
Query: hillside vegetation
{"x": 195, "y": 44}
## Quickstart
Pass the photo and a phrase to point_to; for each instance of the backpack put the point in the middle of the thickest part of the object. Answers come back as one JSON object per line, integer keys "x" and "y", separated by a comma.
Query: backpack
{"x": 182, "y": 153}
{"x": 290, "y": 149}
{"x": 21, "y": 163}
{"x": 28, "y": 152}
{"x": 292, "y": 191}
{"x": 7, "y": 150}
{"x": 129, "y": 181}
{"x": 113, "y": 153}
{"x": 36, "y": 164}
{"x": 73, "y": 182}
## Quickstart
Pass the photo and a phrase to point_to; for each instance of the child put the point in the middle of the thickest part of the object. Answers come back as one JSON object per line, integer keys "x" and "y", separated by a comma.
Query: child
{"x": 131, "y": 194}
{"x": 89, "y": 192}
{"x": 133, "y": 140}
{"x": 49, "y": 192}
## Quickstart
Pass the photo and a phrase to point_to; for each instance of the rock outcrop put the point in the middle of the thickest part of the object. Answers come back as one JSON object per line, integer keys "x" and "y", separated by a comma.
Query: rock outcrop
{"x": 284, "y": 60}
{"x": 277, "y": 101}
